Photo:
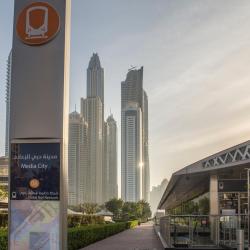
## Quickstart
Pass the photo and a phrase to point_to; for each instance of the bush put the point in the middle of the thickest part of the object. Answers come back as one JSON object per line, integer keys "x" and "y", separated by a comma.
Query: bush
{"x": 3, "y": 239}
{"x": 3, "y": 220}
{"x": 83, "y": 220}
{"x": 83, "y": 236}
{"x": 132, "y": 224}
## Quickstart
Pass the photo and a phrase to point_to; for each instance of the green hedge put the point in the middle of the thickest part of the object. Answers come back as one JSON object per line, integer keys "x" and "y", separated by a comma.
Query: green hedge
{"x": 3, "y": 220}
{"x": 3, "y": 239}
{"x": 82, "y": 220}
{"x": 82, "y": 236}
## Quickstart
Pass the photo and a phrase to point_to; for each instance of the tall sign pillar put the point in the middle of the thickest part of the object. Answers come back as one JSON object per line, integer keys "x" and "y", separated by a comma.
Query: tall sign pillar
{"x": 39, "y": 125}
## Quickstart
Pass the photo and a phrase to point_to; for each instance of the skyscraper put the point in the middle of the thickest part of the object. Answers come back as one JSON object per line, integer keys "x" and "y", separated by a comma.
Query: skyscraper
{"x": 95, "y": 78}
{"x": 132, "y": 135}
{"x": 146, "y": 169}
{"x": 7, "y": 100}
{"x": 110, "y": 186}
{"x": 91, "y": 110}
{"x": 105, "y": 170}
{"x": 156, "y": 194}
{"x": 132, "y": 88}
{"x": 132, "y": 93}
{"x": 78, "y": 159}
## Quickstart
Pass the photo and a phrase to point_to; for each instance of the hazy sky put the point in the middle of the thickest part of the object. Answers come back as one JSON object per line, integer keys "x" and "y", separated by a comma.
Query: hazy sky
{"x": 196, "y": 58}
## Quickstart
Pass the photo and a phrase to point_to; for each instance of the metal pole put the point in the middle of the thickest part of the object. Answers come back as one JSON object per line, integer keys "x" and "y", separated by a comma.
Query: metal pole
{"x": 240, "y": 239}
{"x": 248, "y": 206}
{"x": 190, "y": 230}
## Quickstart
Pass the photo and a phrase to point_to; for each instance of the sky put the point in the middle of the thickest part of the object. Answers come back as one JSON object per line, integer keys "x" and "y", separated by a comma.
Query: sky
{"x": 196, "y": 58}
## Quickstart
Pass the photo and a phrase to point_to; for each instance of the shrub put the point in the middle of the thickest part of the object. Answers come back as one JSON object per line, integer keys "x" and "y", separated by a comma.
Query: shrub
{"x": 83, "y": 236}
{"x": 3, "y": 239}
{"x": 3, "y": 220}
{"x": 132, "y": 224}
{"x": 83, "y": 220}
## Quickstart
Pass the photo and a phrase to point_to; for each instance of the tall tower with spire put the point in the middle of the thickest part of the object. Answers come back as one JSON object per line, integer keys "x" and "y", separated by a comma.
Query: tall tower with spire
{"x": 101, "y": 173}
{"x": 92, "y": 109}
{"x": 95, "y": 78}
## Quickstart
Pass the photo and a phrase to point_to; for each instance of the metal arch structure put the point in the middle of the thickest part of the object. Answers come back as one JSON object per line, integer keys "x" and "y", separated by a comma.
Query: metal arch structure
{"x": 238, "y": 154}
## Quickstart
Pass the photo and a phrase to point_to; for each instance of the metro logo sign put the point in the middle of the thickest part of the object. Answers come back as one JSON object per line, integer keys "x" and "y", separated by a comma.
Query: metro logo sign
{"x": 37, "y": 23}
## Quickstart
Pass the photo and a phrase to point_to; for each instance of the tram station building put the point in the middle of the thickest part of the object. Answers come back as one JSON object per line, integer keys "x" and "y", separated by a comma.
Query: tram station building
{"x": 222, "y": 177}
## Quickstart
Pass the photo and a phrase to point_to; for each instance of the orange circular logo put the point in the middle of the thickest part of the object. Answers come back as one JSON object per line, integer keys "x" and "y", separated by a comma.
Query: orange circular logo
{"x": 37, "y": 23}
{"x": 34, "y": 183}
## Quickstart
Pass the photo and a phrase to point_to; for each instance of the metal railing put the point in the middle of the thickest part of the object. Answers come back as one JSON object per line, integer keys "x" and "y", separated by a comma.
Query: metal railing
{"x": 202, "y": 230}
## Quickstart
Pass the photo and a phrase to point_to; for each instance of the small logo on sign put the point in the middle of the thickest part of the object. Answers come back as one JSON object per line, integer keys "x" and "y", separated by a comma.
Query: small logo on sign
{"x": 34, "y": 183}
{"x": 38, "y": 23}
{"x": 13, "y": 195}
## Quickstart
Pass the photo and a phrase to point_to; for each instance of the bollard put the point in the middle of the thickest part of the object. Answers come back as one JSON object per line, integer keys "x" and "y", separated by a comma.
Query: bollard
{"x": 240, "y": 239}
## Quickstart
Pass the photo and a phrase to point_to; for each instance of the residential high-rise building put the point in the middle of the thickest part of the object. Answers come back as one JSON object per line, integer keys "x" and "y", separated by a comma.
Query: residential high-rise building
{"x": 105, "y": 169}
{"x": 156, "y": 194}
{"x": 102, "y": 138}
{"x": 132, "y": 135}
{"x": 78, "y": 159}
{"x": 7, "y": 100}
{"x": 132, "y": 92}
{"x": 92, "y": 111}
{"x": 146, "y": 169}
{"x": 132, "y": 88}
{"x": 110, "y": 186}
{"x": 95, "y": 78}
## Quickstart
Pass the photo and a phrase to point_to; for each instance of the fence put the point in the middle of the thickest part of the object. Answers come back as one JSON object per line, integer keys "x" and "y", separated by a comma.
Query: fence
{"x": 202, "y": 230}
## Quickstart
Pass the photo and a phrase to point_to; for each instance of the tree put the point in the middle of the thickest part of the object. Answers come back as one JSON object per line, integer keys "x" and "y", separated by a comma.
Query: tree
{"x": 89, "y": 208}
{"x": 76, "y": 208}
{"x": 3, "y": 193}
{"x": 136, "y": 210}
{"x": 145, "y": 211}
{"x": 191, "y": 207}
{"x": 130, "y": 210}
{"x": 115, "y": 206}
{"x": 204, "y": 206}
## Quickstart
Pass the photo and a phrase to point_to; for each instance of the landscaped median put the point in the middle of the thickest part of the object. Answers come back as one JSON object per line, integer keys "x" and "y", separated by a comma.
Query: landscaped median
{"x": 82, "y": 236}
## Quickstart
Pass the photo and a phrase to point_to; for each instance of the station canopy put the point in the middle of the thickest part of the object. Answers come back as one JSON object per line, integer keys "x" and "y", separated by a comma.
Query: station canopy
{"x": 193, "y": 180}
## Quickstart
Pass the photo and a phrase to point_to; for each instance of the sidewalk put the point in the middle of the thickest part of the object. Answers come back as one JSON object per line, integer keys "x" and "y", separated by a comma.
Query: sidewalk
{"x": 140, "y": 238}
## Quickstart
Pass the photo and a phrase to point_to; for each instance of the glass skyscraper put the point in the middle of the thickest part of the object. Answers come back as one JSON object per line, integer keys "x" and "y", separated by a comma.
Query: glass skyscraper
{"x": 134, "y": 111}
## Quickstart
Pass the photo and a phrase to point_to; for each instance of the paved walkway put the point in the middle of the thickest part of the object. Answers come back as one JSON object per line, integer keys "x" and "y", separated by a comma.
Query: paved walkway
{"x": 139, "y": 238}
